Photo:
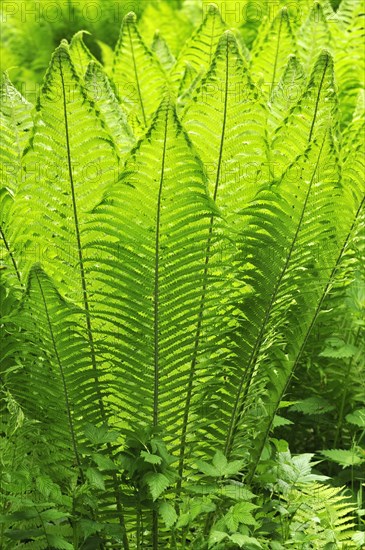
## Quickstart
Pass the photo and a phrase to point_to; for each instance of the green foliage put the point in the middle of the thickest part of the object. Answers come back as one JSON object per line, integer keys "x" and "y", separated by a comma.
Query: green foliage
{"x": 181, "y": 241}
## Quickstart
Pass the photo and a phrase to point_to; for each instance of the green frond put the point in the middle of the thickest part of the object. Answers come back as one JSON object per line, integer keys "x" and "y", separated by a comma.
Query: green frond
{"x": 80, "y": 53}
{"x": 8, "y": 260}
{"x": 200, "y": 49}
{"x": 100, "y": 90}
{"x": 271, "y": 51}
{"x": 70, "y": 161}
{"x": 154, "y": 250}
{"x": 52, "y": 326}
{"x": 286, "y": 94}
{"x": 308, "y": 118}
{"x": 107, "y": 57}
{"x": 225, "y": 120}
{"x": 137, "y": 74}
{"x": 323, "y": 517}
{"x": 302, "y": 257}
{"x": 349, "y": 39}
{"x": 162, "y": 50}
{"x": 188, "y": 84}
{"x": 314, "y": 36}
{"x": 16, "y": 122}
{"x": 348, "y": 10}
{"x": 173, "y": 25}
{"x": 353, "y": 156}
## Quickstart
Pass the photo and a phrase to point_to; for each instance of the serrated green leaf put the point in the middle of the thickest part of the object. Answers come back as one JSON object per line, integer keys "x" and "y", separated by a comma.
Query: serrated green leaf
{"x": 244, "y": 541}
{"x": 220, "y": 462}
{"x": 137, "y": 74}
{"x": 357, "y": 418}
{"x": 344, "y": 457}
{"x": 99, "y": 435}
{"x": 103, "y": 462}
{"x": 215, "y": 537}
{"x": 168, "y": 514}
{"x": 151, "y": 458}
{"x": 95, "y": 478}
{"x": 234, "y": 467}
{"x": 235, "y": 492}
{"x": 207, "y": 469}
{"x": 312, "y": 405}
{"x": 157, "y": 483}
{"x": 281, "y": 421}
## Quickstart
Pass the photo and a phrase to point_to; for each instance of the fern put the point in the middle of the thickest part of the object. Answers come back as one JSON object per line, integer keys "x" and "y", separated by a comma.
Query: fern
{"x": 172, "y": 224}
{"x": 323, "y": 517}
{"x": 140, "y": 90}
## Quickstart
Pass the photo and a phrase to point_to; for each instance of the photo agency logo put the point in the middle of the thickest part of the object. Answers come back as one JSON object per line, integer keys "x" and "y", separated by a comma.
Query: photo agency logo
{"x": 53, "y": 11}
{"x": 237, "y": 13}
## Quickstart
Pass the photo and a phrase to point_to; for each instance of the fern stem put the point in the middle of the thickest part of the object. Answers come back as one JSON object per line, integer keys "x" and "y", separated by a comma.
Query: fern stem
{"x": 11, "y": 255}
{"x": 317, "y": 100}
{"x": 211, "y": 51}
{"x": 87, "y": 310}
{"x": 157, "y": 284}
{"x": 246, "y": 380}
{"x": 276, "y": 54}
{"x": 204, "y": 293}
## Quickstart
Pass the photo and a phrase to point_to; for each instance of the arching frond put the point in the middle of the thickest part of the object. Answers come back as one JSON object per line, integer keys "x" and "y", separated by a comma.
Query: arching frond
{"x": 137, "y": 74}
{"x": 100, "y": 90}
{"x": 200, "y": 49}
{"x": 158, "y": 206}
{"x": 271, "y": 50}
{"x": 16, "y": 122}
{"x": 225, "y": 119}
{"x": 314, "y": 36}
{"x": 64, "y": 174}
{"x": 80, "y": 53}
{"x": 308, "y": 118}
{"x": 286, "y": 94}
{"x": 162, "y": 50}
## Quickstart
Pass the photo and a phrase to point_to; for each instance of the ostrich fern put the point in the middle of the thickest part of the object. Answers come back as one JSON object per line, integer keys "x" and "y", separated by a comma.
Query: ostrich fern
{"x": 170, "y": 230}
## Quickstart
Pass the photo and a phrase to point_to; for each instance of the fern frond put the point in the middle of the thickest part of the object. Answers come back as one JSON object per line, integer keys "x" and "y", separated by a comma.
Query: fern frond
{"x": 49, "y": 321}
{"x": 100, "y": 90}
{"x": 7, "y": 256}
{"x": 225, "y": 120}
{"x": 271, "y": 51}
{"x": 293, "y": 268}
{"x": 309, "y": 117}
{"x": 80, "y": 53}
{"x": 173, "y": 25}
{"x": 162, "y": 194}
{"x": 69, "y": 163}
{"x": 323, "y": 516}
{"x": 162, "y": 50}
{"x": 137, "y": 74}
{"x": 285, "y": 95}
{"x": 353, "y": 155}
{"x": 155, "y": 251}
{"x": 200, "y": 49}
{"x": 349, "y": 36}
{"x": 16, "y": 122}
{"x": 314, "y": 36}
